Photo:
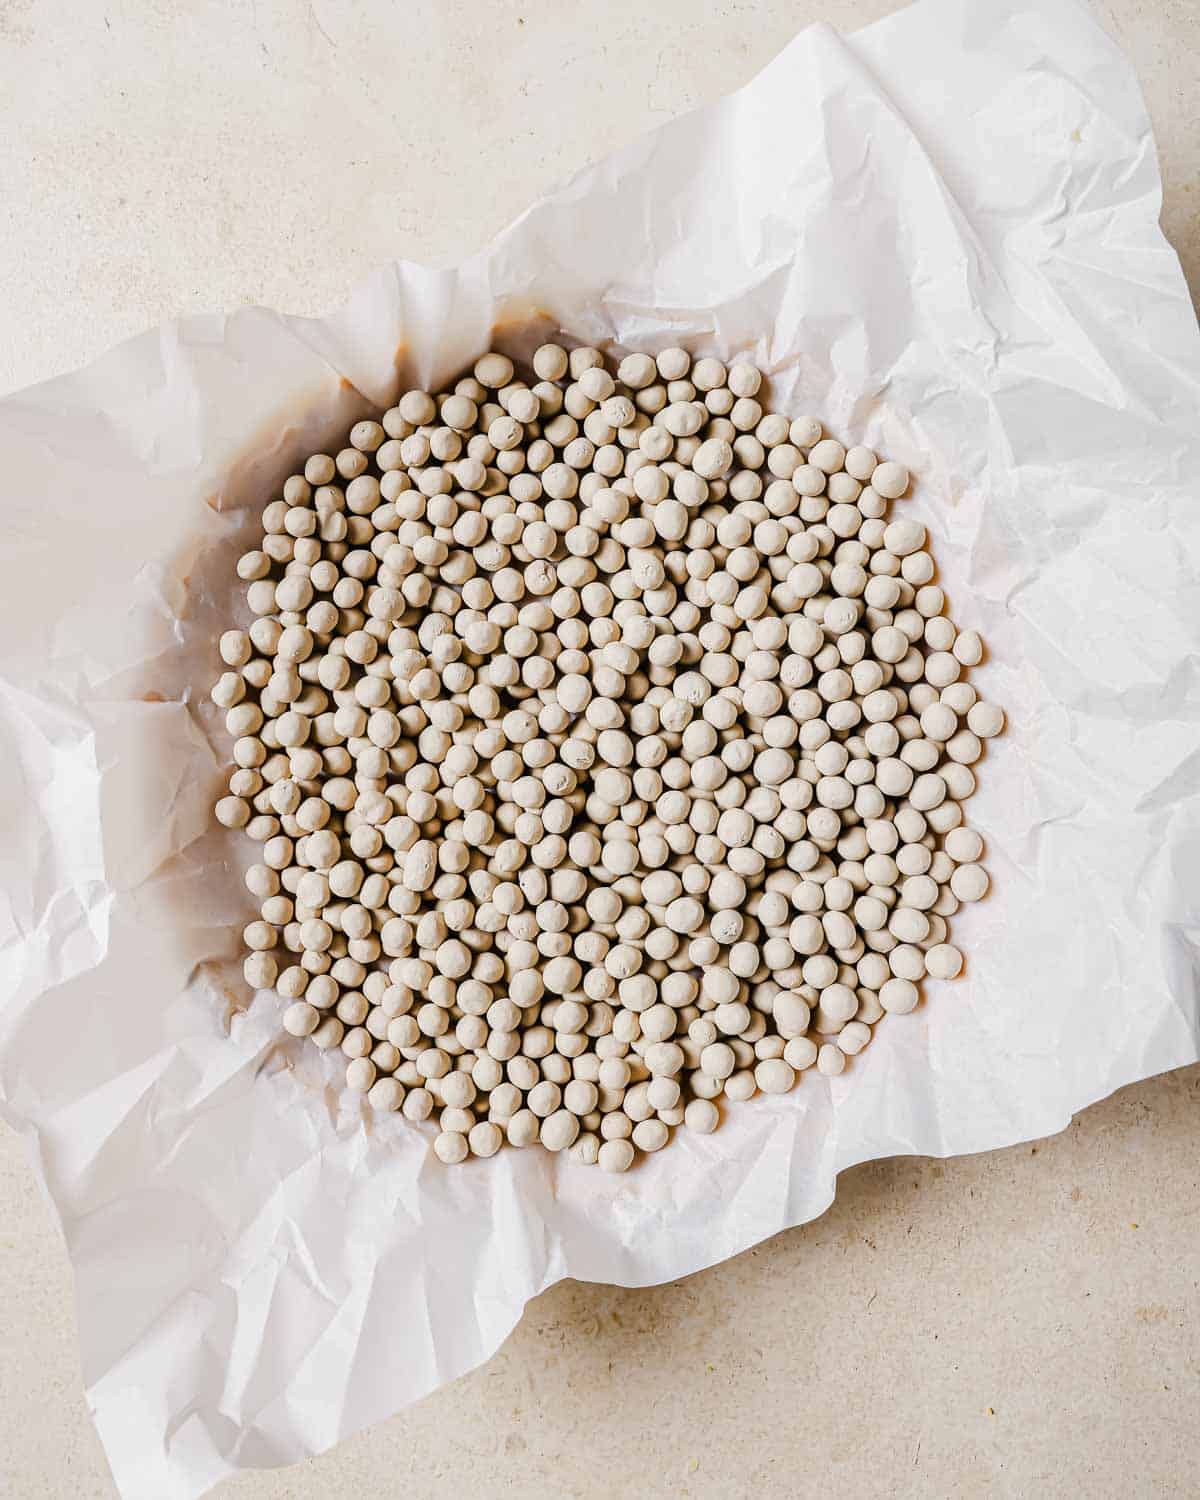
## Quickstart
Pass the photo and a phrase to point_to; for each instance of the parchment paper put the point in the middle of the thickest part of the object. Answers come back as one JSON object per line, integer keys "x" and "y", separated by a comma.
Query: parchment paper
{"x": 940, "y": 235}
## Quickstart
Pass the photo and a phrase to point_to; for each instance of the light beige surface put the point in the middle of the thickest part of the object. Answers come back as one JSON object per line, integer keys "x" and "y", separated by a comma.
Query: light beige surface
{"x": 1018, "y": 1324}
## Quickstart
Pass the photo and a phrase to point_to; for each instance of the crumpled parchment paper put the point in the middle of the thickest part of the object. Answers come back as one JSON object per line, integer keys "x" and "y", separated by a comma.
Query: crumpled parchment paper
{"x": 939, "y": 234}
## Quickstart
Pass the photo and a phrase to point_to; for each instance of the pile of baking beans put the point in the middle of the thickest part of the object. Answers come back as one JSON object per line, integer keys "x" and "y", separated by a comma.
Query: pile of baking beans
{"x": 607, "y": 742}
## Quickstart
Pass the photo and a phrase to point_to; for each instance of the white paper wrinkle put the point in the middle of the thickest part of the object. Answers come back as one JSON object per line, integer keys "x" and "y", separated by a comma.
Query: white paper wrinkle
{"x": 939, "y": 235}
